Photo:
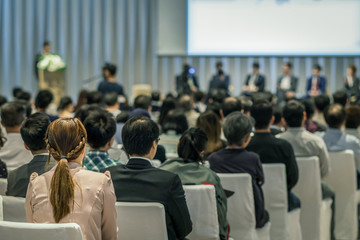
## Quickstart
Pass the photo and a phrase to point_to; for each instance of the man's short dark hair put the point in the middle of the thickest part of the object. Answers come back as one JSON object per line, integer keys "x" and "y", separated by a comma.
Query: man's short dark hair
{"x": 262, "y": 112}
{"x": 288, "y": 64}
{"x": 335, "y": 115}
{"x": 138, "y": 135}
{"x": 353, "y": 117}
{"x": 278, "y": 114}
{"x": 317, "y": 66}
{"x": 111, "y": 68}
{"x": 94, "y": 97}
{"x": 155, "y": 96}
{"x": 26, "y": 96}
{"x": 340, "y": 97}
{"x": 13, "y": 114}
{"x": 110, "y": 99}
{"x": 214, "y": 107}
{"x": 33, "y": 131}
{"x": 218, "y": 94}
{"x": 100, "y": 128}
{"x": 309, "y": 108}
{"x": 142, "y": 101}
{"x": 3, "y": 100}
{"x": 256, "y": 65}
{"x": 230, "y": 105}
{"x": 43, "y": 99}
{"x": 294, "y": 113}
{"x": 219, "y": 64}
{"x": 321, "y": 102}
{"x": 237, "y": 128}
{"x": 16, "y": 91}
{"x": 85, "y": 110}
{"x": 46, "y": 43}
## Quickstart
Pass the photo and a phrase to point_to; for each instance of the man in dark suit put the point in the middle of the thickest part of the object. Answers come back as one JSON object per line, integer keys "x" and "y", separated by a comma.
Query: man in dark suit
{"x": 186, "y": 82}
{"x": 139, "y": 181}
{"x": 220, "y": 79}
{"x": 255, "y": 82}
{"x": 33, "y": 133}
{"x": 286, "y": 84}
{"x": 316, "y": 84}
{"x": 352, "y": 83}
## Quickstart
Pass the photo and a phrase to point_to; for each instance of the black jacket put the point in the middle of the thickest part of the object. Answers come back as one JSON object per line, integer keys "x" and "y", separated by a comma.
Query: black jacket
{"x": 138, "y": 181}
{"x": 259, "y": 82}
{"x": 18, "y": 179}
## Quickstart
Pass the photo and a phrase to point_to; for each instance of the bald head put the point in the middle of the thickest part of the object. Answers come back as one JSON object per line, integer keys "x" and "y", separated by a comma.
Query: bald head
{"x": 231, "y": 105}
{"x": 335, "y": 116}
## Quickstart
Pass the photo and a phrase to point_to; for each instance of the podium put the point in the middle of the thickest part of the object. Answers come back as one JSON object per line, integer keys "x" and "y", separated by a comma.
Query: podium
{"x": 54, "y": 82}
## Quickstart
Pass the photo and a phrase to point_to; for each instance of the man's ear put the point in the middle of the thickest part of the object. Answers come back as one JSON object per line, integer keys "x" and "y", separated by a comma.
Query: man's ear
{"x": 111, "y": 141}
{"x": 272, "y": 120}
{"x": 26, "y": 147}
{"x": 304, "y": 116}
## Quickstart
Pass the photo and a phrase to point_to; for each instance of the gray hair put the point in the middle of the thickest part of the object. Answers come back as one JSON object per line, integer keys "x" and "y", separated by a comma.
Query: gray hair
{"x": 237, "y": 128}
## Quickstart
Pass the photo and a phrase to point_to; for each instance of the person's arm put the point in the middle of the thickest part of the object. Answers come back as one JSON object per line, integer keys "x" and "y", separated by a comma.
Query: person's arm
{"x": 322, "y": 87}
{"x": 292, "y": 171}
{"x": 294, "y": 84}
{"x": 29, "y": 197}
{"x": 108, "y": 218}
{"x": 259, "y": 172}
{"x": 178, "y": 210}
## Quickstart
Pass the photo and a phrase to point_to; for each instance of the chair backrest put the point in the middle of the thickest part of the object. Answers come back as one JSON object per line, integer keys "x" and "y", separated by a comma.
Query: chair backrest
{"x": 3, "y": 186}
{"x": 308, "y": 189}
{"x": 150, "y": 216}
{"x": 241, "y": 209}
{"x": 26, "y": 231}
{"x": 342, "y": 178}
{"x": 13, "y": 209}
{"x": 201, "y": 201}
{"x": 275, "y": 195}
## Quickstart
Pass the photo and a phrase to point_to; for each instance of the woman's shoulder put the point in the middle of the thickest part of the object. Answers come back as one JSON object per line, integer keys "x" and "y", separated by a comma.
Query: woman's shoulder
{"x": 94, "y": 176}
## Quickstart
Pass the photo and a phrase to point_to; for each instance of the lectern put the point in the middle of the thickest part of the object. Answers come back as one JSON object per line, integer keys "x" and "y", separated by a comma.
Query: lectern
{"x": 53, "y": 81}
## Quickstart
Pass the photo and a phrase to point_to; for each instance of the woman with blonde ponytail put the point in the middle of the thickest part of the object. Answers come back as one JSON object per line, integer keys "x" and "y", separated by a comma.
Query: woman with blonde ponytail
{"x": 69, "y": 192}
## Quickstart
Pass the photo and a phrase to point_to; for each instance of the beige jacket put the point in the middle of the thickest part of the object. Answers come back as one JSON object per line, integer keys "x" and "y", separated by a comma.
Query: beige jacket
{"x": 94, "y": 205}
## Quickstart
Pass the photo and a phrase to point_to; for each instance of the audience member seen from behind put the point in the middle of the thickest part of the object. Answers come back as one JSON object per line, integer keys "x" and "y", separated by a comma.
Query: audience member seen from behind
{"x": 142, "y": 106}
{"x": 66, "y": 108}
{"x": 100, "y": 128}
{"x": 42, "y": 102}
{"x": 186, "y": 104}
{"x": 175, "y": 125}
{"x": 13, "y": 153}
{"x": 32, "y": 132}
{"x": 189, "y": 167}
{"x": 353, "y": 121}
{"x": 199, "y": 102}
{"x": 110, "y": 84}
{"x": 68, "y": 192}
{"x": 139, "y": 181}
{"x": 230, "y": 105}
{"x": 82, "y": 99}
{"x": 321, "y": 102}
{"x": 316, "y": 84}
{"x": 210, "y": 123}
{"x": 272, "y": 149}
{"x": 340, "y": 97}
{"x": 311, "y": 125}
{"x": 235, "y": 159}
{"x": 112, "y": 104}
{"x": 168, "y": 104}
{"x": 278, "y": 126}
{"x": 94, "y": 97}
{"x": 3, "y": 169}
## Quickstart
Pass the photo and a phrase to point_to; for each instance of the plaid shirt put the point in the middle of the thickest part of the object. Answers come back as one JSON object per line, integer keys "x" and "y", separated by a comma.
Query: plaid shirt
{"x": 96, "y": 160}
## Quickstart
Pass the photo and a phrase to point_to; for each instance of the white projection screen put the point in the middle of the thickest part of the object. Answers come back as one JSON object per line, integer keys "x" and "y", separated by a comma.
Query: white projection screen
{"x": 273, "y": 27}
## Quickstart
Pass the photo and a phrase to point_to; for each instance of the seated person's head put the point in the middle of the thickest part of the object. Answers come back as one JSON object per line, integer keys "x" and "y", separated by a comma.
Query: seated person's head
{"x": 94, "y": 97}
{"x": 216, "y": 108}
{"x": 321, "y": 102}
{"x": 294, "y": 114}
{"x": 66, "y": 104}
{"x": 186, "y": 103}
{"x": 100, "y": 128}
{"x": 155, "y": 96}
{"x": 143, "y": 102}
{"x": 16, "y": 92}
{"x": 262, "y": 96}
{"x": 12, "y": 115}
{"x": 309, "y": 108}
{"x": 122, "y": 117}
{"x": 246, "y": 103}
{"x": 353, "y": 117}
{"x": 3, "y": 100}
{"x": 217, "y": 95}
{"x": 33, "y": 132}
{"x": 140, "y": 137}
{"x": 26, "y": 96}
{"x": 237, "y": 129}
{"x": 192, "y": 145}
{"x": 335, "y": 116}
{"x": 199, "y": 96}
{"x": 111, "y": 100}
{"x": 340, "y": 97}
{"x": 43, "y": 100}
{"x": 175, "y": 121}
{"x": 262, "y": 112}
{"x": 278, "y": 114}
{"x": 86, "y": 109}
{"x": 230, "y": 105}
{"x": 210, "y": 123}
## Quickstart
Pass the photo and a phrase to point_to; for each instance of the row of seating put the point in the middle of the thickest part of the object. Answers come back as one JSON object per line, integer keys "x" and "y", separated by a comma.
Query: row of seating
{"x": 311, "y": 222}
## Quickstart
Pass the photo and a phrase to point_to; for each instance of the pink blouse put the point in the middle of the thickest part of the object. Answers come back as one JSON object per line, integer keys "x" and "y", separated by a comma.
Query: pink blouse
{"x": 94, "y": 205}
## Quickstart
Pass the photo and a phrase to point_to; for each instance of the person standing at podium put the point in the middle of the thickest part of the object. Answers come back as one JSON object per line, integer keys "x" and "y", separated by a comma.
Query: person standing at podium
{"x": 109, "y": 85}
{"x": 46, "y": 50}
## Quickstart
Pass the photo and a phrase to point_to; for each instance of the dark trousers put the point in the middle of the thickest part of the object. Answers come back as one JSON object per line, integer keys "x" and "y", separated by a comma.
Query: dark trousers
{"x": 293, "y": 201}
{"x": 328, "y": 192}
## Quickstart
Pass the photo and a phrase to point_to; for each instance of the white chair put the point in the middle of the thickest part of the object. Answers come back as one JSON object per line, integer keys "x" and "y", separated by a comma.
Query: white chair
{"x": 342, "y": 178}
{"x": 316, "y": 213}
{"x": 201, "y": 201}
{"x": 26, "y": 231}
{"x": 284, "y": 225}
{"x": 13, "y": 209}
{"x": 3, "y": 186}
{"x": 241, "y": 209}
{"x": 149, "y": 215}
